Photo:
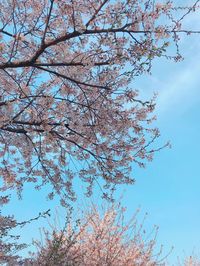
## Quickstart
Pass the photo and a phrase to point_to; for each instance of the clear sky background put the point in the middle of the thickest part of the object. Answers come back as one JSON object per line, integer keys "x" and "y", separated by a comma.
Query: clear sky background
{"x": 169, "y": 188}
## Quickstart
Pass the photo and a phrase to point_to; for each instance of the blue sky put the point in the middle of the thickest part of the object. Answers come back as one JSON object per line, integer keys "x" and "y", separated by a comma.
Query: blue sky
{"x": 169, "y": 188}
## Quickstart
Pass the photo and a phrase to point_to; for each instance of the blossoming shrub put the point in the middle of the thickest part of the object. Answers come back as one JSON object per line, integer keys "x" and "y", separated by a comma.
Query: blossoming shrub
{"x": 99, "y": 238}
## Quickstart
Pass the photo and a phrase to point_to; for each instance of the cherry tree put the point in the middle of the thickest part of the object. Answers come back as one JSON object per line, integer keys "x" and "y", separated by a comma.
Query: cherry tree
{"x": 10, "y": 245}
{"x": 68, "y": 108}
{"x": 99, "y": 238}
{"x": 8, "y": 249}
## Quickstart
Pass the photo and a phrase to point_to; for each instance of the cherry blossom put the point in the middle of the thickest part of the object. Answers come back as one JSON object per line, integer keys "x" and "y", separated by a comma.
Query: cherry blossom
{"x": 10, "y": 245}
{"x": 68, "y": 106}
{"x": 99, "y": 237}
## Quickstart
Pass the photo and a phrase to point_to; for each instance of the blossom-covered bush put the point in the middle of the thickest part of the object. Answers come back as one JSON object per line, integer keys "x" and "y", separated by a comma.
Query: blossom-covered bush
{"x": 99, "y": 238}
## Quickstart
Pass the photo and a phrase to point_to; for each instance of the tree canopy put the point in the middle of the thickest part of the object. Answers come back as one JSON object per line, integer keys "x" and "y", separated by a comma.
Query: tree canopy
{"x": 68, "y": 106}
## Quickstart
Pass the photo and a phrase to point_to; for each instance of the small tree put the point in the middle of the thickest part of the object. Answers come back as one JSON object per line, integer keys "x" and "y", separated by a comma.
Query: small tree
{"x": 99, "y": 238}
{"x": 9, "y": 245}
{"x": 9, "y": 241}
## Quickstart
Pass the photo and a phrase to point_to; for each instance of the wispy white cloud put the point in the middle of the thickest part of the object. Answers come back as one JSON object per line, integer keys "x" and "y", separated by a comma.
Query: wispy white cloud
{"x": 181, "y": 89}
{"x": 177, "y": 84}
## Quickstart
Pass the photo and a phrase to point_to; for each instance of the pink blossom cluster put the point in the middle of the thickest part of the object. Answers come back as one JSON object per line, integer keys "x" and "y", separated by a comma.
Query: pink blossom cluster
{"x": 68, "y": 107}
